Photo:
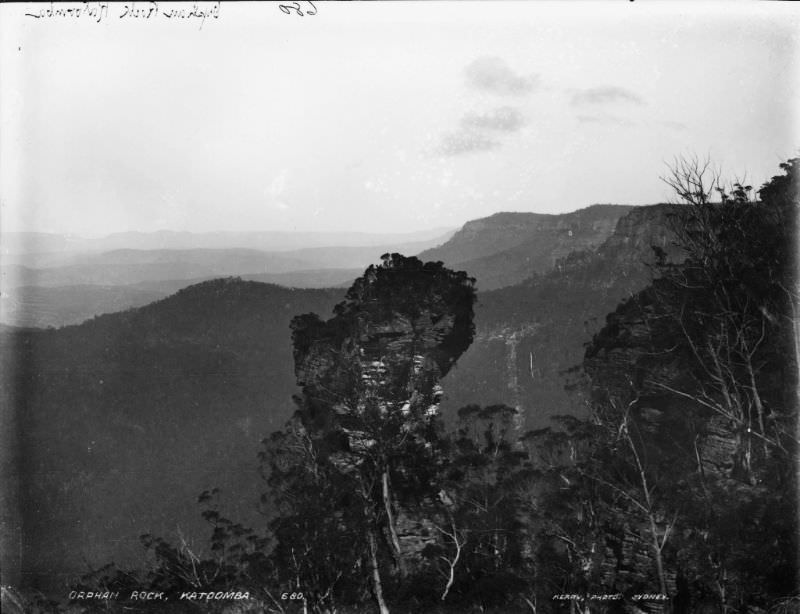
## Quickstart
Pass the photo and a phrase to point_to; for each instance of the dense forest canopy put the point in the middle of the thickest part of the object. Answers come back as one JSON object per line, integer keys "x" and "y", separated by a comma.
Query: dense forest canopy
{"x": 675, "y": 493}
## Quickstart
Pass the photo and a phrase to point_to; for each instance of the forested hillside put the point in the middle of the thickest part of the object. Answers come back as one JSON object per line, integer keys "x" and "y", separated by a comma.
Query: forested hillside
{"x": 55, "y": 306}
{"x": 534, "y": 456}
{"x": 123, "y": 420}
{"x": 165, "y": 384}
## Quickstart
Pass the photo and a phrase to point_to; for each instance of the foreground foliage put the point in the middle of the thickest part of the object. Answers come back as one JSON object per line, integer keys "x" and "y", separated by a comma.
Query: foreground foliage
{"x": 676, "y": 494}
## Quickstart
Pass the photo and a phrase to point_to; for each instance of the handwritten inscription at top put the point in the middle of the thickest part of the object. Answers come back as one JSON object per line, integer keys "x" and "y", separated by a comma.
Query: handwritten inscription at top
{"x": 152, "y": 10}
{"x": 301, "y": 9}
{"x": 99, "y": 11}
{"x": 141, "y": 10}
{"x": 96, "y": 11}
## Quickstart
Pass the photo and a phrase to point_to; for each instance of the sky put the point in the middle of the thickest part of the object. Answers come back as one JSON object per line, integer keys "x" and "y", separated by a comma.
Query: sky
{"x": 379, "y": 116}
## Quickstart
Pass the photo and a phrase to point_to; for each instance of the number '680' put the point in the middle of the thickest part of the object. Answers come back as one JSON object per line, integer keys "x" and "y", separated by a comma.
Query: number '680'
{"x": 291, "y": 596}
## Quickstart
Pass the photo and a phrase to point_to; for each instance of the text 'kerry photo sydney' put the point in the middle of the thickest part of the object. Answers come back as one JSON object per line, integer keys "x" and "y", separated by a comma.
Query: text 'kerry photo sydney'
{"x": 412, "y": 307}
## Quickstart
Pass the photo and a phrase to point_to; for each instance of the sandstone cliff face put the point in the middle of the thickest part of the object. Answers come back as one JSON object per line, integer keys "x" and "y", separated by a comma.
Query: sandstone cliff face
{"x": 507, "y": 248}
{"x": 531, "y": 335}
{"x": 641, "y": 229}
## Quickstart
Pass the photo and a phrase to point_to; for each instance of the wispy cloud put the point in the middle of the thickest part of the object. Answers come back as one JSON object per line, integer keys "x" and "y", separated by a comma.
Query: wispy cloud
{"x": 484, "y": 130}
{"x": 493, "y": 74}
{"x": 604, "y": 95}
{"x": 502, "y": 119}
{"x": 464, "y": 141}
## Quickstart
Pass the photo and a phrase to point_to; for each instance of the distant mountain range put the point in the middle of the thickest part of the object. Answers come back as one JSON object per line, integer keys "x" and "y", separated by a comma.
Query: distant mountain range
{"x": 55, "y": 288}
{"x": 15, "y": 243}
{"x": 121, "y": 421}
{"x": 126, "y": 267}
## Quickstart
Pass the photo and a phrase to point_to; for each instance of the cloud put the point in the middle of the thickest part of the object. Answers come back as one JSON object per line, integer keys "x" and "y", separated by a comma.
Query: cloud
{"x": 480, "y": 131}
{"x": 464, "y": 141}
{"x": 605, "y": 94}
{"x": 503, "y": 119}
{"x": 492, "y": 74}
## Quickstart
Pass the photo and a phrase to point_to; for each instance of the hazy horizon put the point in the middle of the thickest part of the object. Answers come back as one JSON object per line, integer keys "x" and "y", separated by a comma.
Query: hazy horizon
{"x": 410, "y": 234}
{"x": 380, "y": 117}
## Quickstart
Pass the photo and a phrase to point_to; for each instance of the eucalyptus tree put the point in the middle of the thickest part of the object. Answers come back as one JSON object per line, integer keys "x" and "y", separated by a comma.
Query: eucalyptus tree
{"x": 694, "y": 382}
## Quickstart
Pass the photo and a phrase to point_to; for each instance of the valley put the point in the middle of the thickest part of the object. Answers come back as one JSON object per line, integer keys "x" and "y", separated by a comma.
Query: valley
{"x": 174, "y": 395}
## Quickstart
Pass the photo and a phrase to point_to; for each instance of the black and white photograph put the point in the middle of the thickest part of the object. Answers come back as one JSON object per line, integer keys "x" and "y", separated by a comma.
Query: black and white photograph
{"x": 445, "y": 307}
